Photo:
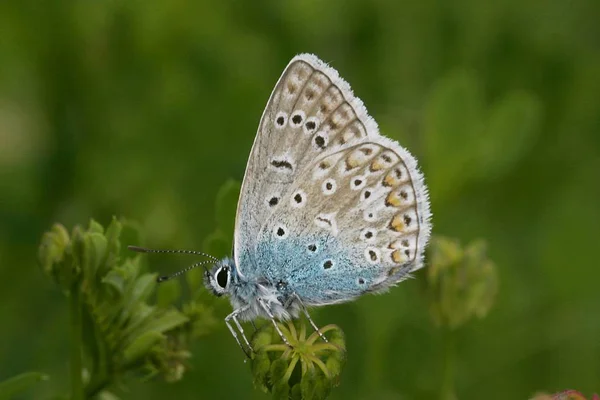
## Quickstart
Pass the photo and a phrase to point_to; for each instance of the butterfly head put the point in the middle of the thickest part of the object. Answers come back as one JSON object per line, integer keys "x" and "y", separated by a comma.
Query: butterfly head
{"x": 220, "y": 277}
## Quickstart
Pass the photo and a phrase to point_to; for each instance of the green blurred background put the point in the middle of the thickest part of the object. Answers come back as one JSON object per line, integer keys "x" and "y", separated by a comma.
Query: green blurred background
{"x": 143, "y": 109}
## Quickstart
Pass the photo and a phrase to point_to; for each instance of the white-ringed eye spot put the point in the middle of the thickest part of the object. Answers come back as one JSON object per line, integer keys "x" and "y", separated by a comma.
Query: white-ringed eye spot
{"x": 297, "y": 118}
{"x": 281, "y": 231}
{"x": 329, "y": 187}
{"x": 321, "y": 140}
{"x": 366, "y": 194}
{"x": 373, "y": 255}
{"x": 311, "y": 125}
{"x": 298, "y": 199}
{"x": 358, "y": 182}
{"x": 312, "y": 248}
{"x": 360, "y": 281}
{"x": 281, "y": 120}
{"x": 328, "y": 264}
{"x": 368, "y": 235}
{"x": 370, "y": 216}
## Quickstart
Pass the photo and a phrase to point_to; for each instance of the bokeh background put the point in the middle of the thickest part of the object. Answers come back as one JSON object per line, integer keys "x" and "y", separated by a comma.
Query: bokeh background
{"x": 144, "y": 109}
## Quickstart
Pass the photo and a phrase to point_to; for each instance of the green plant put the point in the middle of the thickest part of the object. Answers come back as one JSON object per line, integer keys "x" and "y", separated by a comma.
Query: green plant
{"x": 123, "y": 324}
{"x": 117, "y": 330}
{"x": 306, "y": 369}
{"x": 462, "y": 282}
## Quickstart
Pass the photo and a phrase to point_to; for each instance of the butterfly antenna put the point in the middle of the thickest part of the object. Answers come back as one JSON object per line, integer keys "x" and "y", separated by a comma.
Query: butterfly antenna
{"x": 183, "y": 271}
{"x": 167, "y": 277}
{"x": 146, "y": 250}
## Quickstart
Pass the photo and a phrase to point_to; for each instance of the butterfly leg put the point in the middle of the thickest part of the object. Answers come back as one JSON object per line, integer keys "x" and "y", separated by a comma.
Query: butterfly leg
{"x": 305, "y": 311}
{"x": 233, "y": 316}
{"x": 239, "y": 326}
{"x": 272, "y": 318}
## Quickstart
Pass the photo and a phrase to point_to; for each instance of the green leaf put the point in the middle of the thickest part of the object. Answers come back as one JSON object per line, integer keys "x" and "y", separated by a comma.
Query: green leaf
{"x": 142, "y": 289}
{"x": 167, "y": 320}
{"x": 121, "y": 278}
{"x": 281, "y": 391}
{"x": 52, "y": 249}
{"x": 137, "y": 291}
{"x": 296, "y": 393}
{"x": 97, "y": 244}
{"x": 308, "y": 384}
{"x": 95, "y": 227}
{"x": 20, "y": 383}
{"x": 159, "y": 321}
{"x": 113, "y": 233}
{"x": 115, "y": 280}
{"x": 141, "y": 346}
{"x": 261, "y": 365}
{"x": 322, "y": 387}
{"x": 278, "y": 368}
{"x": 80, "y": 254}
{"x": 140, "y": 315}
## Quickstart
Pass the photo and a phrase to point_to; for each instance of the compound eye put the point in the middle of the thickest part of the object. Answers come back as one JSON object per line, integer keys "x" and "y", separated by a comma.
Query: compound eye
{"x": 222, "y": 276}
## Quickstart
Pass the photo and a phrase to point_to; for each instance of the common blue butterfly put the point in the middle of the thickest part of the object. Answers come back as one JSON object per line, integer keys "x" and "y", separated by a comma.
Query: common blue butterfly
{"x": 329, "y": 209}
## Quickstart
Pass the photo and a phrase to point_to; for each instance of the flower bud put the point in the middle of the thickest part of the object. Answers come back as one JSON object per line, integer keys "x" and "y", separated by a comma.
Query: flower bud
{"x": 462, "y": 282}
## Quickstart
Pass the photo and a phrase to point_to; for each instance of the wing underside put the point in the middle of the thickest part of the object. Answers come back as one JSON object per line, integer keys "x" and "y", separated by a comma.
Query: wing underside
{"x": 319, "y": 174}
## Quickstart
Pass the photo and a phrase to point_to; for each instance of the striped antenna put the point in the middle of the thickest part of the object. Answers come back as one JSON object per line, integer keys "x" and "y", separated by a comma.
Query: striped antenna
{"x": 183, "y": 271}
{"x": 146, "y": 250}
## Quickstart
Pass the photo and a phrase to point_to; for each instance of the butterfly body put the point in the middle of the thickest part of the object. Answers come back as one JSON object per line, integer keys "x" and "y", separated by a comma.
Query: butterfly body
{"x": 329, "y": 208}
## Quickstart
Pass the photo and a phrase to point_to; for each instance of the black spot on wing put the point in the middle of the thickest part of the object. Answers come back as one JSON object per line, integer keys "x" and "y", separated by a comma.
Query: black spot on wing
{"x": 282, "y": 164}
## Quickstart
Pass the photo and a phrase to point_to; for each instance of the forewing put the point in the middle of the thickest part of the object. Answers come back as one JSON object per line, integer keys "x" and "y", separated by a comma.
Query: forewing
{"x": 310, "y": 112}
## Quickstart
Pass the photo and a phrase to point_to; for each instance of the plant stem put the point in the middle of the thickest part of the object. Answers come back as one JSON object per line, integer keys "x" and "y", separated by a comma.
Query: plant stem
{"x": 447, "y": 388}
{"x": 76, "y": 344}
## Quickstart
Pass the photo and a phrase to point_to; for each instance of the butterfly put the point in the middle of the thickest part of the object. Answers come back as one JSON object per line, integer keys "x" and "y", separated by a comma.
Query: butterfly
{"x": 329, "y": 209}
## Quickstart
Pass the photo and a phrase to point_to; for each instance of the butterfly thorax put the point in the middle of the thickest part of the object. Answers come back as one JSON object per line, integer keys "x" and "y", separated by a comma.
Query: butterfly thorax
{"x": 248, "y": 293}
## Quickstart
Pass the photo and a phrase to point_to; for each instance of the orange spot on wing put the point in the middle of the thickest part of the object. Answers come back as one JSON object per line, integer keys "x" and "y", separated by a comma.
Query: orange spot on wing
{"x": 397, "y": 223}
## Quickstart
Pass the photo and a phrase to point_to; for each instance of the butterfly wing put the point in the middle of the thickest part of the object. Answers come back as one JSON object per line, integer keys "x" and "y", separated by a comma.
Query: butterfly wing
{"x": 355, "y": 221}
{"x": 307, "y": 95}
{"x": 329, "y": 208}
